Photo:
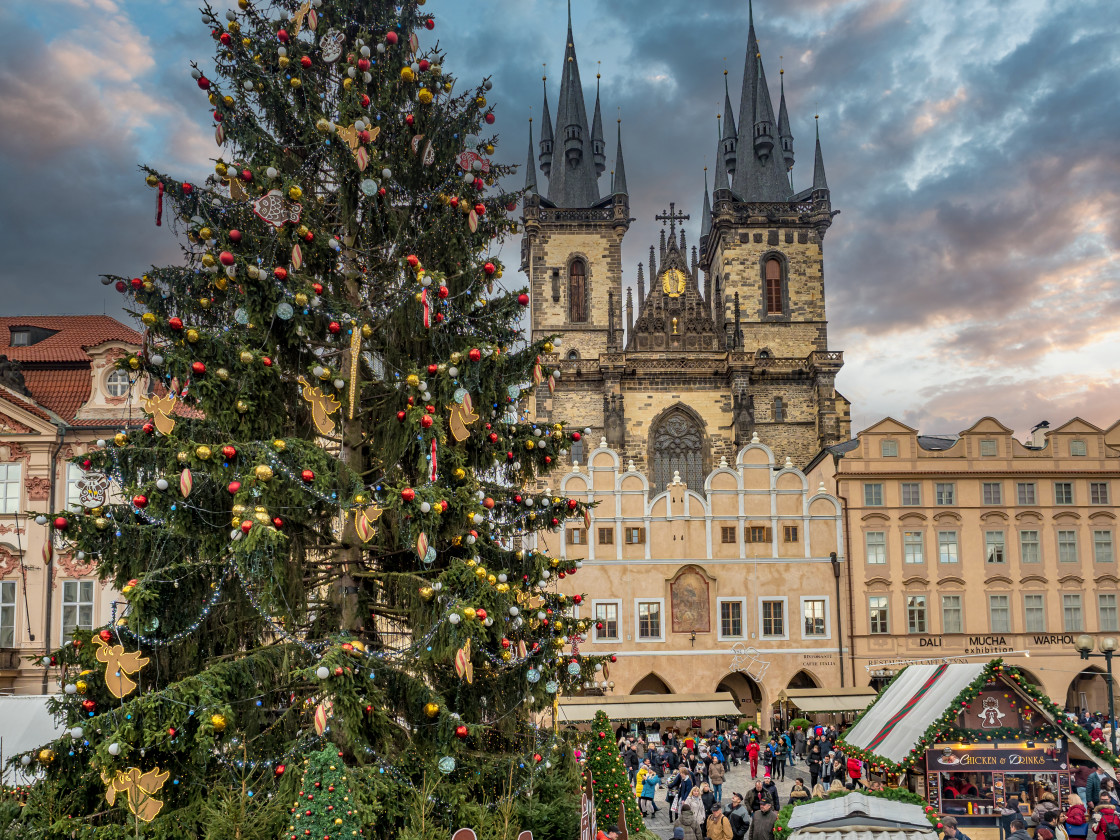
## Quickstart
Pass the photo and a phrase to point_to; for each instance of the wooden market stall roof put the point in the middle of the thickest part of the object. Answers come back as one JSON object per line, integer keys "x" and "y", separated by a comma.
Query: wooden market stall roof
{"x": 649, "y": 707}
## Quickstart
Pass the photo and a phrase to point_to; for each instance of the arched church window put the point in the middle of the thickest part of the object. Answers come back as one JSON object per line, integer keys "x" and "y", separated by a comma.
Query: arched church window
{"x": 773, "y": 287}
{"x": 577, "y": 292}
{"x": 779, "y": 410}
{"x": 573, "y": 355}
{"x": 577, "y": 451}
{"x": 677, "y": 446}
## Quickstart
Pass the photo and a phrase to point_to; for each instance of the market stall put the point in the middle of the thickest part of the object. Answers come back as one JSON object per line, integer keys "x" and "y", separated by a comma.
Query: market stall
{"x": 646, "y": 713}
{"x": 975, "y": 740}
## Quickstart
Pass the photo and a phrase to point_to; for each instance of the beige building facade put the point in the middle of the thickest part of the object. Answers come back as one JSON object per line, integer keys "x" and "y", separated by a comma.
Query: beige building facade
{"x": 730, "y": 586}
{"x": 979, "y": 546}
{"x": 60, "y": 392}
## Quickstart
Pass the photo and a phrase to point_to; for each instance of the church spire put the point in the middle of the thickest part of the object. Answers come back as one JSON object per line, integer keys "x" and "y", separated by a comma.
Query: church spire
{"x": 820, "y": 183}
{"x": 619, "y": 166}
{"x": 785, "y": 134}
{"x": 546, "y": 132}
{"x": 530, "y": 165}
{"x": 573, "y": 182}
{"x": 763, "y": 118}
{"x": 729, "y": 141}
{"x": 598, "y": 142}
{"x": 722, "y": 181}
{"x": 706, "y": 218}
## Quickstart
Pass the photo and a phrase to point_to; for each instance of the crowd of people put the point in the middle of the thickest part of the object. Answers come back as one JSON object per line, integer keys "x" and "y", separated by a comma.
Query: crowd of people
{"x": 692, "y": 769}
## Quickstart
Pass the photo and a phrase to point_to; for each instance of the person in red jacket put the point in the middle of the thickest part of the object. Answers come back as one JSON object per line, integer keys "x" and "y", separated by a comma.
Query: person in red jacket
{"x": 752, "y": 753}
{"x": 855, "y": 770}
{"x": 1107, "y": 818}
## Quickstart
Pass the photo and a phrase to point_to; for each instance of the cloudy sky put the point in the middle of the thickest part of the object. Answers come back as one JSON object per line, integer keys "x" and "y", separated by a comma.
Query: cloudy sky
{"x": 971, "y": 145}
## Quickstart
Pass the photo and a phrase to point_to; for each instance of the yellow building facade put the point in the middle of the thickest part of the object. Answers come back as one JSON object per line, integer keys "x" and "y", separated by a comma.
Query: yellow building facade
{"x": 731, "y": 586}
{"x": 976, "y": 546}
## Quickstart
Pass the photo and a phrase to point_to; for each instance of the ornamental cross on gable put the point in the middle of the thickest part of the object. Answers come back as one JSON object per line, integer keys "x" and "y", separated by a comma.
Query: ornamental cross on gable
{"x": 672, "y": 217}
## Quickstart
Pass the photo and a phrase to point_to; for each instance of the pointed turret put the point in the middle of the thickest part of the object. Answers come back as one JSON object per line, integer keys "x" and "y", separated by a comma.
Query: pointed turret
{"x": 530, "y": 165}
{"x": 546, "y": 132}
{"x": 641, "y": 288}
{"x": 763, "y": 118}
{"x": 598, "y": 143}
{"x": 706, "y": 218}
{"x": 619, "y": 167}
{"x": 573, "y": 181}
{"x": 785, "y": 135}
{"x": 729, "y": 141}
{"x": 750, "y": 88}
{"x": 820, "y": 183}
{"x": 722, "y": 181}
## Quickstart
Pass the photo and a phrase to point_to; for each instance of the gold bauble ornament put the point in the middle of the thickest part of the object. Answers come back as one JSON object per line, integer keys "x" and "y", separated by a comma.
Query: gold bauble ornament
{"x": 282, "y": 61}
{"x": 204, "y": 234}
{"x": 228, "y": 100}
{"x": 413, "y": 380}
{"x": 223, "y": 374}
{"x": 491, "y": 579}
{"x": 151, "y": 180}
{"x": 468, "y": 613}
{"x": 82, "y": 686}
{"x": 471, "y": 562}
{"x": 302, "y": 231}
{"x": 502, "y": 587}
{"x": 359, "y": 498}
{"x": 279, "y": 445}
{"x": 301, "y": 299}
{"x": 262, "y": 518}
{"x": 263, "y": 472}
{"x": 581, "y": 625}
{"x": 182, "y": 457}
{"x": 295, "y": 193}
{"x": 238, "y": 510}
{"x": 204, "y": 302}
{"x": 431, "y": 709}
{"x": 554, "y": 562}
{"x": 218, "y": 721}
{"x": 559, "y": 624}
{"x": 234, "y": 26}
{"x": 246, "y": 357}
{"x": 120, "y": 438}
{"x": 192, "y": 336}
{"x": 459, "y": 473}
{"x": 148, "y": 319}
{"x": 367, "y": 331}
{"x": 547, "y": 347}
{"x": 347, "y": 83}
{"x": 208, "y": 260}
{"x": 558, "y": 643}
{"x": 506, "y": 656}
{"x": 221, "y": 282}
{"x": 46, "y": 756}
{"x": 427, "y": 593}
{"x": 529, "y": 444}
{"x": 295, "y": 83}
{"x": 489, "y": 148}
{"x": 221, "y": 168}
{"x": 407, "y": 74}
{"x": 203, "y": 452}
{"x": 424, "y": 96}
{"x": 101, "y": 523}
{"x": 322, "y": 126}
{"x": 480, "y": 572}
{"x": 133, "y": 362}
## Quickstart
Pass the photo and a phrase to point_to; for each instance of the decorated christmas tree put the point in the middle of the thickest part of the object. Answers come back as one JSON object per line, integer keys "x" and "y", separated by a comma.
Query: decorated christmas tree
{"x": 608, "y": 778}
{"x": 320, "y": 536}
{"x": 326, "y": 804}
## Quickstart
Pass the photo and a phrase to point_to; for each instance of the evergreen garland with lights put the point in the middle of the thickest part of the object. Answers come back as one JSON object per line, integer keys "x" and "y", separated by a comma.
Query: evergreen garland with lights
{"x": 321, "y": 536}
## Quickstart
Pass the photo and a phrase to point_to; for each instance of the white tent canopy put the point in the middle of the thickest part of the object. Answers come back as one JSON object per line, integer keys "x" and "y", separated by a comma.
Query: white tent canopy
{"x": 25, "y": 725}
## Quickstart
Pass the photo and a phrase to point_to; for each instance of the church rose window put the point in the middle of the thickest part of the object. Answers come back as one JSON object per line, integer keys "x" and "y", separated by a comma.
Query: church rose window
{"x": 773, "y": 287}
{"x": 678, "y": 446}
{"x": 577, "y": 292}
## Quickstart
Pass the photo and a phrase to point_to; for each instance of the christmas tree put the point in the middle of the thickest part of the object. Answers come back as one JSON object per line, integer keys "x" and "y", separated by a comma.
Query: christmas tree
{"x": 608, "y": 778}
{"x": 320, "y": 536}
{"x": 325, "y": 805}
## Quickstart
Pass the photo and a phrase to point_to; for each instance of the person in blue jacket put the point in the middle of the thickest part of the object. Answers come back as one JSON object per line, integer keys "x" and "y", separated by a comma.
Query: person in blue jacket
{"x": 649, "y": 791}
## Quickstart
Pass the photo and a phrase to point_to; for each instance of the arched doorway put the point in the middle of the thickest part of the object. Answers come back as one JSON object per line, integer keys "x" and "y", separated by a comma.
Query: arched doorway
{"x": 1088, "y": 691}
{"x": 651, "y": 683}
{"x": 747, "y": 693}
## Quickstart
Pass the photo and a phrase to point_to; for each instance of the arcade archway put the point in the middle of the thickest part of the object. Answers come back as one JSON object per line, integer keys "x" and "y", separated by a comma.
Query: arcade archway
{"x": 651, "y": 683}
{"x": 1088, "y": 691}
{"x": 747, "y": 693}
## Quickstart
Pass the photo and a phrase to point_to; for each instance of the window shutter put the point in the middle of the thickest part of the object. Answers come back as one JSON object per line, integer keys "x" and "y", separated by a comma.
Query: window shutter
{"x": 769, "y": 534}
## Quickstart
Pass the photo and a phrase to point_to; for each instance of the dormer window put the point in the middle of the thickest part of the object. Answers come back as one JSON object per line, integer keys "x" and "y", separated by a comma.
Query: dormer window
{"x": 117, "y": 384}
{"x": 26, "y": 336}
{"x": 21, "y": 338}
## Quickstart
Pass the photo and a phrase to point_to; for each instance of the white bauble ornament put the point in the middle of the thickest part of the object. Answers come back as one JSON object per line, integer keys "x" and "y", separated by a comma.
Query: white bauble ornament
{"x": 322, "y": 672}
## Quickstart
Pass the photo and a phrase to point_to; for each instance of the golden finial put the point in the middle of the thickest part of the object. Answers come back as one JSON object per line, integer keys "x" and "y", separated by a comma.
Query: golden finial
{"x": 781, "y": 65}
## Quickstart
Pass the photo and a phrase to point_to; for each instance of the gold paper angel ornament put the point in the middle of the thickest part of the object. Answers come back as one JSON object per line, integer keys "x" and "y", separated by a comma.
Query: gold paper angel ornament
{"x": 139, "y": 788}
{"x": 322, "y": 406}
{"x": 161, "y": 409}
{"x": 119, "y": 665}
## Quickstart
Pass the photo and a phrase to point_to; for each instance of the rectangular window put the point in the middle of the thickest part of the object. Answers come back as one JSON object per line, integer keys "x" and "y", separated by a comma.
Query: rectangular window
{"x": 1106, "y": 608}
{"x": 1067, "y": 546}
{"x": 758, "y": 534}
{"x": 1102, "y": 547}
{"x": 813, "y": 612}
{"x": 649, "y": 619}
{"x": 916, "y": 613}
{"x": 74, "y": 474}
{"x": 1063, "y": 492}
{"x": 947, "y": 546}
{"x": 913, "y": 546}
{"x": 11, "y": 475}
{"x": 577, "y": 536}
{"x": 873, "y": 495}
{"x": 773, "y": 287}
{"x": 994, "y": 547}
{"x": 1078, "y": 448}
{"x": 1034, "y": 612}
{"x": 1072, "y": 621}
{"x": 993, "y": 493}
{"x": 1098, "y": 492}
{"x": 727, "y": 534}
{"x": 773, "y": 619}
{"x": 889, "y": 448}
{"x": 731, "y": 619}
{"x": 999, "y": 613}
{"x": 606, "y": 622}
{"x": 951, "y": 617}
{"x": 946, "y": 493}
{"x": 7, "y": 614}
{"x": 21, "y": 338}
{"x": 789, "y": 533}
{"x": 606, "y": 536}
{"x": 1027, "y": 493}
{"x": 1029, "y": 551}
{"x": 989, "y": 448}
{"x": 635, "y": 536}
{"x": 911, "y": 493}
{"x": 77, "y": 606}
{"x": 876, "y": 547}
{"x": 879, "y": 614}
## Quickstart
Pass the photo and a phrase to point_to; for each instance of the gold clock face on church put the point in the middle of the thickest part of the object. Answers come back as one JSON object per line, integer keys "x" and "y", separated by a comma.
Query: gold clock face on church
{"x": 673, "y": 281}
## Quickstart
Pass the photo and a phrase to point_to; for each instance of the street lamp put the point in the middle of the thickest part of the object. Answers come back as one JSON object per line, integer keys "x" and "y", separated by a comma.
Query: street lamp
{"x": 1108, "y": 645}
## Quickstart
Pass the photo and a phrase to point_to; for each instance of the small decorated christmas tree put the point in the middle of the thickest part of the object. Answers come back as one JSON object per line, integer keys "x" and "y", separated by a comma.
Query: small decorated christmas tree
{"x": 608, "y": 776}
{"x": 326, "y": 807}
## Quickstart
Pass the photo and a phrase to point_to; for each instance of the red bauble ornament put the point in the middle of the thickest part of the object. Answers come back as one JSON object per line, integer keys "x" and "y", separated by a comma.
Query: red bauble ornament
{"x": 430, "y": 23}
{"x": 86, "y": 464}
{"x": 523, "y": 299}
{"x": 233, "y": 487}
{"x": 246, "y": 175}
{"x": 89, "y": 705}
{"x": 228, "y": 452}
{"x": 413, "y": 260}
{"x": 203, "y": 83}
{"x": 461, "y": 731}
{"x": 614, "y": 658}
{"x": 149, "y": 428}
{"x": 443, "y": 506}
{"x": 334, "y": 328}
{"x": 572, "y": 504}
{"x": 308, "y": 476}
{"x": 61, "y": 523}
{"x": 305, "y": 62}
{"x": 364, "y": 101}
{"x": 235, "y": 235}
{"x": 408, "y": 494}
{"x": 283, "y": 36}
{"x": 175, "y": 323}
{"x": 363, "y": 64}
{"x": 120, "y": 285}
{"x": 505, "y": 643}
{"x": 489, "y": 268}
{"x": 409, "y": 120}
{"x": 277, "y": 522}
{"x": 266, "y": 361}
{"x": 475, "y": 355}
{"x": 511, "y": 206}
{"x": 576, "y": 435}
{"x": 199, "y": 368}
{"x": 401, "y": 415}
{"x": 433, "y": 369}
{"x": 317, "y": 288}
{"x": 431, "y": 409}
{"x": 480, "y": 209}
{"x": 391, "y": 38}
{"x": 443, "y": 292}
{"x": 171, "y": 731}
{"x": 280, "y": 768}
{"x": 136, "y": 283}
{"x": 280, "y": 272}
{"x": 424, "y": 65}
{"x": 140, "y": 501}
{"x": 225, "y": 258}
{"x": 490, "y": 119}
{"x": 105, "y": 635}
{"x": 492, "y": 437}
{"x": 247, "y": 526}
{"x": 578, "y": 599}
{"x": 426, "y": 421}
{"x": 481, "y": 613}
{"x": 488, "y": 503}
{"x": 454, "y": 201}
{"x": 537, "y": 757}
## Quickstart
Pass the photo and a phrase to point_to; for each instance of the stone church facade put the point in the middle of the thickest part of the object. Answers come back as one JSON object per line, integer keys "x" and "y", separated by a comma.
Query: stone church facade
{"x": 729, "y": 341}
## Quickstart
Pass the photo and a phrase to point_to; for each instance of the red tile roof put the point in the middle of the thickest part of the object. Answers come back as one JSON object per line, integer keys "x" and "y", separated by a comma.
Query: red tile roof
{"x": 8, "y": 395}
{"x": 74, "y": 333}
{"x": 63, "y": 391}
